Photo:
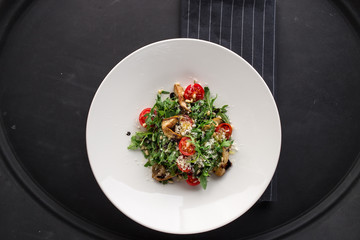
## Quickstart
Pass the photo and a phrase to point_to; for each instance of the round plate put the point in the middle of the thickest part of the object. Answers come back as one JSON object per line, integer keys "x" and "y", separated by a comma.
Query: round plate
{"x": 132, "y": 85}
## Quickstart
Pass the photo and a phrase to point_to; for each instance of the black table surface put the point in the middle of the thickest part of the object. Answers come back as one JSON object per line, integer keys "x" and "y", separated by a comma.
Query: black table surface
{"x": 54, "y": 55}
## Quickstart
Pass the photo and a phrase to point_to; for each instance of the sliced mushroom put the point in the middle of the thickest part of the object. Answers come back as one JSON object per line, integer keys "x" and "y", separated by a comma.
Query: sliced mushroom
{"x": 167, "y": 124}
{"x": 217, "y": 121}
{"x": 159, "y": 173}
{"x": 179, "y": 92}
{"x": 220, "y": 170}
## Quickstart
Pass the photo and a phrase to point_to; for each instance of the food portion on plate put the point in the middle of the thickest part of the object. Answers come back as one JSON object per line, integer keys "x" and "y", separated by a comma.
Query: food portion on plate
{"x": 185, "y": 136}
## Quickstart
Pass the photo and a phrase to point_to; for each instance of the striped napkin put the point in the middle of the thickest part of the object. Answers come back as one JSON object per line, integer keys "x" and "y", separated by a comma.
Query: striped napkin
{"x": 247, "y": 27}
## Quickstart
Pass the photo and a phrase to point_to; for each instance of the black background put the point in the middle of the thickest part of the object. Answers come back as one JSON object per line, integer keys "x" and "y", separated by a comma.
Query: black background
{"x": 54, "y": 55}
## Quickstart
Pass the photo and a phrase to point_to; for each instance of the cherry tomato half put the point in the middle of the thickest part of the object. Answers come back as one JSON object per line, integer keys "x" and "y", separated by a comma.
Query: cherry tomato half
{"x": 185, "y": 147}
{"x": 194, "y": 91}
{"x": 183, "y": 165}
{"x": 226, "y": 128}
{"x": 143, "y": 118}
{"x": 192, "y": 181}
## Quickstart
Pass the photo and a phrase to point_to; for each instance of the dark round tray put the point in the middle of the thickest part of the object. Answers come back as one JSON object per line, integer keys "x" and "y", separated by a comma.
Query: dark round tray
{"x": 54, "y": 55}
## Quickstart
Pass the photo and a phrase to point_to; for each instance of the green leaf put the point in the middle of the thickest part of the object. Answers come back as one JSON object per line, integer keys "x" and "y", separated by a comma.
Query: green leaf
{"x": 162, "y": 156}
{"x": 203, "y": 181}
{"x": 212, "y": 103}
{"x": 226, "y": 143}
{"x": 170, "y": 114}
{"x": 173, "y": 156}
{"x": 133, "y": 146}
{"x": 207, "y": 96}
{"x": 223, "y": 108}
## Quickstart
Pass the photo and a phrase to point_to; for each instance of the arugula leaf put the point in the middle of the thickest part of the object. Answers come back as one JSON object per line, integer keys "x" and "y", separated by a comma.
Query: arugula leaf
{"x": 133, "y": 145}
{"x": 226, "y": 143}
{"x": 207, "y": 96}
{"x": 203, "y": 181}
{"x": 170, "y": 114}
{"x": 162, "y": 156}
{"x": 212, "y": 103}
{"x": 173, "y": 156}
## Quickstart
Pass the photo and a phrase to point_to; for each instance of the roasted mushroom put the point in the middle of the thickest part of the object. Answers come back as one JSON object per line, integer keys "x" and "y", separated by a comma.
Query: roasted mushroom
{"x": 179, "y": 92}
{"x": 167, "y": 124}
{"x": 159, "y": 173}
{"x": 220, "y": 170}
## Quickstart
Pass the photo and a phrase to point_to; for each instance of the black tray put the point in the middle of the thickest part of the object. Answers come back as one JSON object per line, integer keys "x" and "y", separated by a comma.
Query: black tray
{"x": 54, "y": 55}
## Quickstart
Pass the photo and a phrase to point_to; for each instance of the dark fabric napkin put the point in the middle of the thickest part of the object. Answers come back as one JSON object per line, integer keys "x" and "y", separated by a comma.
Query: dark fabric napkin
{"x": 247, "y": 27}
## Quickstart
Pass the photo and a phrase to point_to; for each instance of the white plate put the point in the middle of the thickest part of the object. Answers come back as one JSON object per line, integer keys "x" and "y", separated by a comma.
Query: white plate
{"x": 132, "y": 85}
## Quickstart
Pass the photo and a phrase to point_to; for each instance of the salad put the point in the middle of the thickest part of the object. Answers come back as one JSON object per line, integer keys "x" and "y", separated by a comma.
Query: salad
{"x": 185, "y": 136}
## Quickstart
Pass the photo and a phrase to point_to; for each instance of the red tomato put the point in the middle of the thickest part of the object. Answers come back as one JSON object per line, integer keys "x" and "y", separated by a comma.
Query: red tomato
{"x": 185, "y": 147}
{"x": 224, "y": 127}
{"x": 183, "y": 165}
{"x": 194, "y": 91}
{"x": 192, "y": 181}
{"x": 143, "y": 118}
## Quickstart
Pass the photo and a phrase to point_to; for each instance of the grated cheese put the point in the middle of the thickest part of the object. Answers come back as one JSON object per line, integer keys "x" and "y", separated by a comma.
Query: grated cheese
{"x": 184, "y": 128}
{"x": 184, "y": 162}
